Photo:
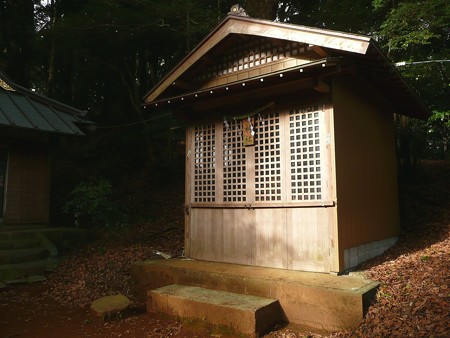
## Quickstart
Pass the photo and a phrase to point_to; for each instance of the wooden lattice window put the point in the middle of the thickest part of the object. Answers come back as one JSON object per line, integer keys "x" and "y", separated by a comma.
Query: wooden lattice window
{"x": 305, "y": 151}
{"x": 286, "y": 164}
{"x": 268, "y": 159}
{"x": 253, "y": 54}
{"x": 234, "y": 163}
{"x": 205, "y": 163}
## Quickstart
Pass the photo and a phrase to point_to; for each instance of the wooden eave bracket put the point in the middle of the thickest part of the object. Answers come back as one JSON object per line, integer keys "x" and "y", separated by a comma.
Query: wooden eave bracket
{"x": 320, "y": 51}
{"x": 322, "y": 87}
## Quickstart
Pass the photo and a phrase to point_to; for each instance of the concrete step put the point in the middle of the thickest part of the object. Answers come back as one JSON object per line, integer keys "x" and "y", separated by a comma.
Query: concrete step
{"x": 32, "y": 250}
{"x": 22, "y": 255}
{"x": 11, "y": 235}
{"x": 251, "y": 315}
{"x": 61, "y": 238}
{"x": 9, "y": 272}
{"x": 315, "y": 300}
{"x": 18, "y": 240}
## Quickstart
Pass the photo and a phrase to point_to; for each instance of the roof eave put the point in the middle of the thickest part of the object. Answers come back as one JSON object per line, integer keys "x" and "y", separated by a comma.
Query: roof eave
{"x": 249, "y": 26}
{"x": 245, "y": 83}
{"x": 420, "y": 111}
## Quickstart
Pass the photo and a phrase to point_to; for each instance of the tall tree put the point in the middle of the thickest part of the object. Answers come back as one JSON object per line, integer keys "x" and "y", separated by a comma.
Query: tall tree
{"x": 17, "y": 33}
{"x": 116, "y": 52}
{"x": 418, "y": 35}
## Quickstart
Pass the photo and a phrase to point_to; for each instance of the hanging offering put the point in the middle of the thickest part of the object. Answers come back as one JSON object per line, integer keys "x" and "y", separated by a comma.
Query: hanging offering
{"x": 248, "y": 131}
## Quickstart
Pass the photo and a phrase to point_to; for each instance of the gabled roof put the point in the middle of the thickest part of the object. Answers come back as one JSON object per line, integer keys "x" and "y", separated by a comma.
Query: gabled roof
{"x": 357, "y": 52}
{"x": 25, "y": 109}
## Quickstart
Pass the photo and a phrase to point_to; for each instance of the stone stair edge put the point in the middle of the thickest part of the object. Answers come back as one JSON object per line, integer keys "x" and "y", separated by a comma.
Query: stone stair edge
{"x": 235, "y": 299}
{"x": 31, "y": 264}
{"x": 364, "y": 284}
{"x": 218, "y": 308}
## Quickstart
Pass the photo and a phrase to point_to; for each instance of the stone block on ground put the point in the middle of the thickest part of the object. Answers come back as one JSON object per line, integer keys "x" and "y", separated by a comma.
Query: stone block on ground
{"x": 109, "y": 306}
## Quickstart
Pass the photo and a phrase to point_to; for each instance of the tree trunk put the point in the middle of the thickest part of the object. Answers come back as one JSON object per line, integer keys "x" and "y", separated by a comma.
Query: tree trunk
{"x": 18, "y": 33}
{"x": 51, "y": 64}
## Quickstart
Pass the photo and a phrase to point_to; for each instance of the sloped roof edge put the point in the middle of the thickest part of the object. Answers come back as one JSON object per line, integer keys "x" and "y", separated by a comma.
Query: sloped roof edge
{"x": 39, "y": 97}
{"x": 263, "y": 28}
{"x": 24, "y": 109}
{"x": 421, "y": 111}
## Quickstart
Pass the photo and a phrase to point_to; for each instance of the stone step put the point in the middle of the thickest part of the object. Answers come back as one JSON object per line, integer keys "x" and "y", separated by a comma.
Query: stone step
{"x": 248, "y": 314}
{"x": 21, "y": 255}
{"x": 12, "y": 235}
{"x": 18, "y": 240}
{"x": 318, "y": 301}
{"x": 9, "y": 272}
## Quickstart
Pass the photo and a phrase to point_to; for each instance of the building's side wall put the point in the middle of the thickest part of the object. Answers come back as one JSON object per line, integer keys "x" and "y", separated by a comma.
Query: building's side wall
{"x": 27, "y": 185}
{"x": 366, "y": 179}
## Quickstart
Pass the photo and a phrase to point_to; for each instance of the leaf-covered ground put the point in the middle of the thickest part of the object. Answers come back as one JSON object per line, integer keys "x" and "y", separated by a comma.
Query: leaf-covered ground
{"x": 413, "y": 299}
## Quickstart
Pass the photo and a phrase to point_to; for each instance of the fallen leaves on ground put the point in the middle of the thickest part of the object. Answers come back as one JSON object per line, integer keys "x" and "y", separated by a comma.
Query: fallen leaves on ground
{"x": 103, "y": 268}
{"x": 413, "y": 299}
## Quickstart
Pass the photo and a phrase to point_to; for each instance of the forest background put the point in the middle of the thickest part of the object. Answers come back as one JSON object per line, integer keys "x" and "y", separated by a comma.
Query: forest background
{"x": 102, "y": 56}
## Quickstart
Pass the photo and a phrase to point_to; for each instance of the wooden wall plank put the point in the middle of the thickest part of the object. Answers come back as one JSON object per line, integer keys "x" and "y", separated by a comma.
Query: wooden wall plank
{"x": 365, "y": 164}
{"x": 188, "y": 191}
{"x": 270, "y": 241}
{"x": 308, "y": 238}
{"x": 330, "y": 185}
{"x": 28, "y": 186}
{"x": 207, "y": 234}
{"x": 237, "y": 236}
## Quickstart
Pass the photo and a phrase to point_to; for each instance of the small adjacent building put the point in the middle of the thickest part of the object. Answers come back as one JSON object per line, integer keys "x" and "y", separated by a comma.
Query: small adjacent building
{"x": 290, "y": 145}
{"x": 29, "y": 124}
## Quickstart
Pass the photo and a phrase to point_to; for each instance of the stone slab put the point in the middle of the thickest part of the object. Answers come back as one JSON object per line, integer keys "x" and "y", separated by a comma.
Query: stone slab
{"x": 251, "y": 315}
{"x": 315, "y": 300}
{"x": 108, "y": 306}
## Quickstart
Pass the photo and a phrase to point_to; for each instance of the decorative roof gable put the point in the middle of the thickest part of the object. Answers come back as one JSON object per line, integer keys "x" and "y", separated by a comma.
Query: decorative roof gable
{"x": 246, "y": 47}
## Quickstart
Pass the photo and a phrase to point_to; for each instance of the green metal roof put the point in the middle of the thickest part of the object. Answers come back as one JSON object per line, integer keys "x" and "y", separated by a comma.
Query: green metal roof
{"x": 25, "y": 109}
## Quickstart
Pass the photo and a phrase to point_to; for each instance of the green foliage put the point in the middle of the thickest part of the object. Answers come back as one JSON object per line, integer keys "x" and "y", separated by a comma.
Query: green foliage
{"x": 414, "y": 29}
{"x": 417, "y": 32}
{"x": 380, "y": 4}
{"x": 439, "y": 134}
{"x": 91, "y": 204}
{"x": 415, "y": 24}
{"x": 331, "y": 14}
{"x": 411, "y": 140}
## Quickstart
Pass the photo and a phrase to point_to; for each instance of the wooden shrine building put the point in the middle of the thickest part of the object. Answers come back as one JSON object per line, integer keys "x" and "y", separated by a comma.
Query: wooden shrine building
{"x": 29, "y": 124}
{"x": 290, "y": 148}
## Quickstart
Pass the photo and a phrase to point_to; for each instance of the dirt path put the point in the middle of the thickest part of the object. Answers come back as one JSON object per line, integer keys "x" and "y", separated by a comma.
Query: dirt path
{"x": 25, "y": 312}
